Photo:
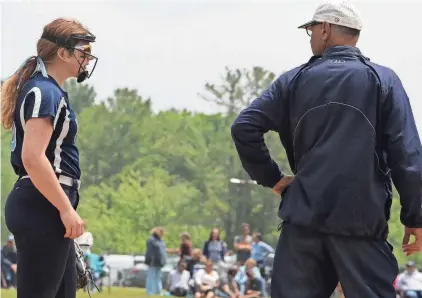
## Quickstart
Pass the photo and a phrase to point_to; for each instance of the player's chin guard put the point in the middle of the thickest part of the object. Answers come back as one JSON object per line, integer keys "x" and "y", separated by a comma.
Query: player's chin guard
{"x": 71, "y": 43}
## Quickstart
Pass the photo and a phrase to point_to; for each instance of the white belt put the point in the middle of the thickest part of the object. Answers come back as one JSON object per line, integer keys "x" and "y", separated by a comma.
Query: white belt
{"x": 62, "y": 180}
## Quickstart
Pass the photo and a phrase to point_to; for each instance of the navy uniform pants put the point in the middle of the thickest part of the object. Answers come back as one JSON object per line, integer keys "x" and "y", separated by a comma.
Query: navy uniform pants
{"x": 46, "y": 265}
{"x": 309, "y": 264}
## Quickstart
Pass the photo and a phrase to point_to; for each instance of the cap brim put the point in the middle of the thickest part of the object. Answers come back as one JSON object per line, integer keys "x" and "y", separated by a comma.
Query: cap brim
{"x": 310, "y": 23}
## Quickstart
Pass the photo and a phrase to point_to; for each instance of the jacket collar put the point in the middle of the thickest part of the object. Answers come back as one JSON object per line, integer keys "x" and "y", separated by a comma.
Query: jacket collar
{"x": 343, "y": 51}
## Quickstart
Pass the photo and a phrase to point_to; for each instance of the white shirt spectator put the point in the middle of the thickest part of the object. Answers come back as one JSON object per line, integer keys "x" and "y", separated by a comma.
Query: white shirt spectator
{"x": 85, "y": 241}
{"x": 410, "y": 281}
{"x": 204, "y": 278}
{"x": 179, "y": 279}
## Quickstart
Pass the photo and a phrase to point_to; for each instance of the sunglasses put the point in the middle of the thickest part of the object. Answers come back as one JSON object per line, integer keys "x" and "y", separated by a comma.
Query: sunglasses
{"x": 309, "y": 28}
{"x": 86, "y": 48}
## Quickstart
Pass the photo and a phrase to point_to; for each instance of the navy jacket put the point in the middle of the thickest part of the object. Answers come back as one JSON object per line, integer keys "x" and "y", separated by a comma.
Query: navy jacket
{"x": 155, "y": 255}
{"x": 348, "y": 130}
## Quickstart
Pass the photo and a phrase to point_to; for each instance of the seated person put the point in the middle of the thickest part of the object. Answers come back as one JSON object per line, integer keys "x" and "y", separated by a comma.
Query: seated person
{"x": 241, "y": 276}
{"x": 206, "y": 281}
{"x": 409, "y": 283}
{"x": 195, "y": 262}
{"x": 9, "y": 260}
{"x": 179, "y": 280}
{"x": 253, "y": 287}
{"x": 228, "y": 285}
{"x": 96, "y": 264}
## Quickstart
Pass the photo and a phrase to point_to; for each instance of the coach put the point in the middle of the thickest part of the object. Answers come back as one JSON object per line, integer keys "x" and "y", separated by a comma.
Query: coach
{"x": 348, "y": 130}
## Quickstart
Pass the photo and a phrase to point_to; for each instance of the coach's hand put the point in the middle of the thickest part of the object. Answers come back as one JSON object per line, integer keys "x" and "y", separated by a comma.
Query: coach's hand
{"x": 411, "y": 248}
{"x": 283, "y": 184}
{"x": 73, "y": 223}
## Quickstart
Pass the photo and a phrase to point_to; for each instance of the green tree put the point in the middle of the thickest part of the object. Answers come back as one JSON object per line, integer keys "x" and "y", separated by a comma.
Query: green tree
{"x": 81, "y": 95}
{"x": 8, "y": 178}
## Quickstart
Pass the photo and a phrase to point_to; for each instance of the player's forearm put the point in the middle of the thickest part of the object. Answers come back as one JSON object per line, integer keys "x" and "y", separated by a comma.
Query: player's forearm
{"x": 44, "y": 179}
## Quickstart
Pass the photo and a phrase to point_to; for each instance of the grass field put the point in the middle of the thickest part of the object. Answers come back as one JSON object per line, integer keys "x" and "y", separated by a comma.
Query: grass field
{"x": 114, "y": 293}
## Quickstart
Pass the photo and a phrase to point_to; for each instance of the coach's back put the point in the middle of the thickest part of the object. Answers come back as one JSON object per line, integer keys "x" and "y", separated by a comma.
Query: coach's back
{"x": 341, "y": 182}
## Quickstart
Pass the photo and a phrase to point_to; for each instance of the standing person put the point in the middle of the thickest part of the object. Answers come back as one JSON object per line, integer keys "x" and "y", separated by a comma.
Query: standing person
{"x": 260, "y": 250}
{"x": 155, "y": 258}
{"x": 41, "y": 208}
{"x": 243, "y": 244}
{"x": 348, "y": 130}
{"x": 214, "y": 248}
{"x": 185, "y": 249}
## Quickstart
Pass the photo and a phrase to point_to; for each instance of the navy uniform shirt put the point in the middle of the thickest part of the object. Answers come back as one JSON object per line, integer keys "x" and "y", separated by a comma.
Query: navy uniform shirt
{"x": 348, "y": 130}
{"x": 39, "y": 98}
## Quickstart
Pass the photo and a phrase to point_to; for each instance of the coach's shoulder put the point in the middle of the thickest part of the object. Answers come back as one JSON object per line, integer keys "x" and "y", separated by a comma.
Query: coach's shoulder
{"x": 288, "y": 76}
{"x": 389, "y": 78}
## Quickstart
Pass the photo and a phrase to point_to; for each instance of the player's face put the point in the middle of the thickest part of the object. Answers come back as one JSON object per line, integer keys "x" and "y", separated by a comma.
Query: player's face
{"x": 82, "y": 57}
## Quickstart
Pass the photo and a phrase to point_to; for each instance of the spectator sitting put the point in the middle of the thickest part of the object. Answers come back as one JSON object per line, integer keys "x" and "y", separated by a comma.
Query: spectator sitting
{"x": 241, "y": 276}
{"x": 409, "y": 283}
{"x": 206, "y": 281}
{"x": 195, "y": 259}
{"x": 179, "y": 280}
{"x": 214, "y": 248}
{"x": 200, "y": 265}
{"x": 228, "y": 285}
{"x": 254, "y": 287}
{"x": 96, "y": 265}
{"x": 9, "y": 261}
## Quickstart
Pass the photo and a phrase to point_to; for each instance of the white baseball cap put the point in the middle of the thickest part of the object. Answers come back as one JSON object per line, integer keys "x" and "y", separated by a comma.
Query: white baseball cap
{"x": 341, "y": 13}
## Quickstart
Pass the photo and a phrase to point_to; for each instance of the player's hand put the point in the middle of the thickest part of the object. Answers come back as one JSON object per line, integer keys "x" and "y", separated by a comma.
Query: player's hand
{"x": 283, "y": 184}
{"x": 411, "y": 248}
{"x": 73, "y": 223}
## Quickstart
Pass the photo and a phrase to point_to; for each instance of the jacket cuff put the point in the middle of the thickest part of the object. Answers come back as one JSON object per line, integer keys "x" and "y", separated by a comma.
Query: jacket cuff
{"x": 411, "y": 220}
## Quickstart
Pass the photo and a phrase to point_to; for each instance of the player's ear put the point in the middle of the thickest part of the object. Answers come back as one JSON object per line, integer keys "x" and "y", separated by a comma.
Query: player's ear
{"x": 63, "y": 54}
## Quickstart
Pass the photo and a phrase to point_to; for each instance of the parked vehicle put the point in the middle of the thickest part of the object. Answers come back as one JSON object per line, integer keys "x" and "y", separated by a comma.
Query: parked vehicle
{"x": 137, "y": 275}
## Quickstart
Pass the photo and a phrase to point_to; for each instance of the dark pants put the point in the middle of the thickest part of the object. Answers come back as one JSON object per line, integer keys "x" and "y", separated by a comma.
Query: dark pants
{"x": 310, "y": 264}
{"x": 179, "y": 292}
{"x": 46, "y": 260}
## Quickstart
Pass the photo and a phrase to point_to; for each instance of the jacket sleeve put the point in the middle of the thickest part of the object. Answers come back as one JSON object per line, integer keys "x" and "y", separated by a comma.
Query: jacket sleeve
{"x": 205, "y": 250}
{"x": 148, "y": 255}
{"x": 404, "y": 153}
{"x": 264, "y": 114}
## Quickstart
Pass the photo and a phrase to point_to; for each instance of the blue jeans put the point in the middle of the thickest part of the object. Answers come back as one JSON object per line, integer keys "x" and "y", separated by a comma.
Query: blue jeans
{"x": 411, "y": 294}
{"x": 153, "y": 282}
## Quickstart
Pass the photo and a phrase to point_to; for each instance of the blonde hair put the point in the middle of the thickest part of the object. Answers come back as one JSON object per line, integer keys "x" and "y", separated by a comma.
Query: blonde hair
{"x": 196, "y": 254}
{"x": 250, "y": 263}
{"x": 46, "y": 50}
{"x": 157, "y": 230}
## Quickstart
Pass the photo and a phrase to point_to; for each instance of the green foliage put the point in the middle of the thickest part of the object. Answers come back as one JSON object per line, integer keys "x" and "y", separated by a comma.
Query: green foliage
{"x": 172, "y": 169}
{"x": 8, "y": 177}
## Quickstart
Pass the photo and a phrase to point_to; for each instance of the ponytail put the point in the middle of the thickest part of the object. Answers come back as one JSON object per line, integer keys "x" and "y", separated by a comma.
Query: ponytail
{"x": 10, "y": 91}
